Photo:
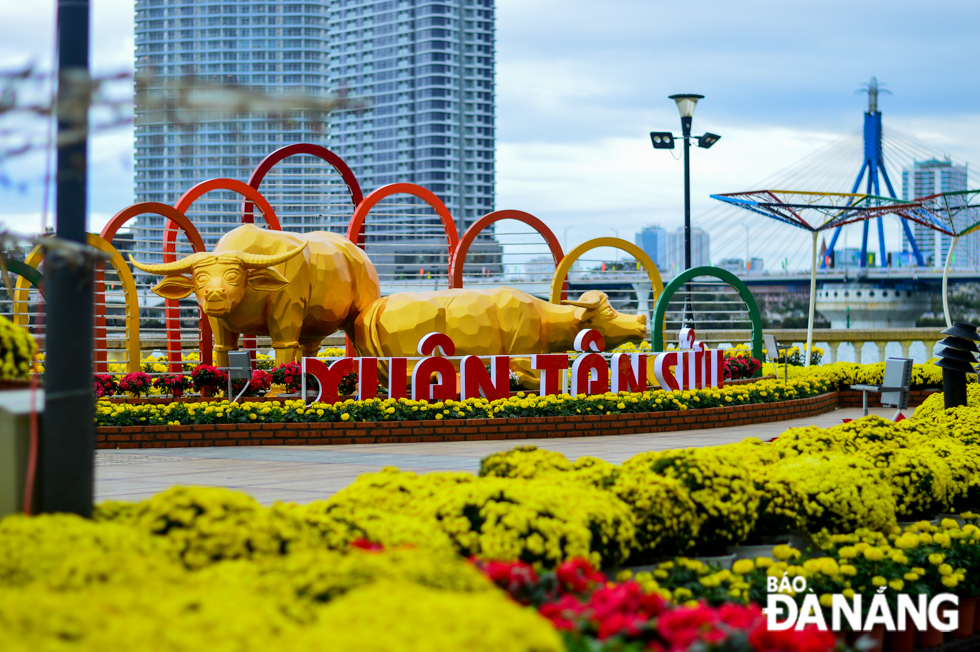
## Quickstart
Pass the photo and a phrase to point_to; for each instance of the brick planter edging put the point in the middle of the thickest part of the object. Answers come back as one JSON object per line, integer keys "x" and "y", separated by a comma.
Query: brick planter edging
{"x": 850, "y": 398}
{"x": 393, "y": 432}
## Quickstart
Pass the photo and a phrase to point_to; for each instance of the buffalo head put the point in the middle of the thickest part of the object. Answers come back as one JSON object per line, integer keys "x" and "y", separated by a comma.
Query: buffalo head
{"x": 219, "y": 279}
{"x": 616, "y": 327}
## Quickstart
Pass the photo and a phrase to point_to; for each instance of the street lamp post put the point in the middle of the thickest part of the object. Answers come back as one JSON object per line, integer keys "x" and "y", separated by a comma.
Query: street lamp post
{"x": 686, "y": 104}
{"x": 665, "y": 140}
{"x": 67, "y": 444}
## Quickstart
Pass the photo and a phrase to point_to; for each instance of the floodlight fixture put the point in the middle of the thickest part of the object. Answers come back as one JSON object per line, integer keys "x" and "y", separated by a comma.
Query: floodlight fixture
{"x": 662, "y": 139}
{"x": 708, "y": 140}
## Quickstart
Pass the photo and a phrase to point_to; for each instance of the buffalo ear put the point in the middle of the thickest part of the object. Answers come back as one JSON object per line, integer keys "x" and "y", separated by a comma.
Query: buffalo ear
{"x": 174, "y": 287}
{"x": 266, "y": 279}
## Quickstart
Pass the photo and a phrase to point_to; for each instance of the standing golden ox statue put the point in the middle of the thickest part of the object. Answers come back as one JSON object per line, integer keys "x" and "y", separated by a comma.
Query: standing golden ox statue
{"x": 299, "y": 288}
{"x": 294, "y": 288}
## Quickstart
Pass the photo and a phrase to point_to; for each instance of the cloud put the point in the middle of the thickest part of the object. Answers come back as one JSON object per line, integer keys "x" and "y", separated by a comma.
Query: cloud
{"x": 580, "y": 84}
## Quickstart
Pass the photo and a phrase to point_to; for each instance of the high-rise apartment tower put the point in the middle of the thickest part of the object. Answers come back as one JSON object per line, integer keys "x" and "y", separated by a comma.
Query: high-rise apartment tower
{"x": 428, "y": 66}
{"x": 425, "y": 68}
{"x": 277, "y": 47}
{"x": 928, "y": 178}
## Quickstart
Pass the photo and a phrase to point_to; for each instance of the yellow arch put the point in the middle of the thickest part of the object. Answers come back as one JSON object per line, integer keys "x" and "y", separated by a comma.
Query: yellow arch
{"x": 656, "y": 283}
{"x": 129, "y": 288}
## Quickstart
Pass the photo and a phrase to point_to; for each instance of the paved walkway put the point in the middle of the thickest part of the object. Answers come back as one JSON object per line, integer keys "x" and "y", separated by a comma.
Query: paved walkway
{"x": 305, "y": 473}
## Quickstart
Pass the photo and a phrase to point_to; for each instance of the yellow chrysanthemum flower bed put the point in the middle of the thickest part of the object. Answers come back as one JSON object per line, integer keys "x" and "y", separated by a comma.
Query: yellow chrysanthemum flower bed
{"x": 919, "y": 559}
{"x": 842, "y": 375}
{"x": 869, "y": 473}
{"x": 534, "y": 520}
{"x": 521, "y": 405}
{"x": 17, "y": 351}
{"x": 67, "y": 583}
{"x": 191, "y": 566}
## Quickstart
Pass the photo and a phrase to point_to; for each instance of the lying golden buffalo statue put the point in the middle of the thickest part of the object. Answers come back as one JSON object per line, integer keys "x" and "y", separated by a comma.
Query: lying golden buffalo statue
{"x": 499, "y": 321}
{"x": 295, "y": 288}
{"x": 299, "y": 288}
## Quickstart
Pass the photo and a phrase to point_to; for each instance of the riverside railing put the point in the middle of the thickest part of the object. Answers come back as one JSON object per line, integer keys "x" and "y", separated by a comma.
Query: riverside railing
{"x": 828, "y": 339}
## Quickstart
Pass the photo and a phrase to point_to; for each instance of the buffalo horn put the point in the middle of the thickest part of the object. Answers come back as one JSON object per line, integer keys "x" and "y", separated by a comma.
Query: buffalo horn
{"x": 257, "y": 261}
{"x": 176, "y": 267}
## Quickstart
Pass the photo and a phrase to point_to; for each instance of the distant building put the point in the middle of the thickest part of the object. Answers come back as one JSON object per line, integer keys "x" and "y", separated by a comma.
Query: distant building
{"x": 428, "y": 67}
{"x": 850, "y": 258}
{"x": 700, "y": 249}
{"x": 738, "y": 266}
{"x": 928, "y": 178}
{"x": 653, "y": 241}
{"x": 539, "y": 266}
{"x": 733, "y": 265}
{"x": 279, "y": 47}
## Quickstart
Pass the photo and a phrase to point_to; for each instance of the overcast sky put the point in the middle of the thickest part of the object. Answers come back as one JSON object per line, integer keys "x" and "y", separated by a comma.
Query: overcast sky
{"x": 580, "y": 84}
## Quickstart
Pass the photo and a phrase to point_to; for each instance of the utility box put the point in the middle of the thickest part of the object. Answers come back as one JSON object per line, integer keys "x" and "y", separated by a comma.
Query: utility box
{"x": 15, "y": 441}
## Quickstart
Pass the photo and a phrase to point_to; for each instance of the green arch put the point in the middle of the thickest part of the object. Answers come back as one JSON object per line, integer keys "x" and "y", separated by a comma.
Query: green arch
{"x": 660, "y": 309}
{"x": 20, "y": 268}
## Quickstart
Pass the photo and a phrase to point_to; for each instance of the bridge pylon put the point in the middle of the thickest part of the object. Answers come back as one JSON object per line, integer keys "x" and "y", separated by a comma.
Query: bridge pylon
{"x": 871, "y": 169}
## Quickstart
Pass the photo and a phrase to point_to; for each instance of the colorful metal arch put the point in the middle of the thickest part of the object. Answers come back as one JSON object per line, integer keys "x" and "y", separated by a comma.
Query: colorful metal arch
{"x": 355, "y": 230}
{"x": 560, "y": 278}
{"x": 234, "y": 185}
{"x": 297, "y": 149}
{"x": 33, "y": 276}
{"x": 129, "y": 289}
{"x": 660, "y": 310}
{"x": 175, "y": 217}
{"x": 252, "y": 196}
{"x": 458, "y": 256}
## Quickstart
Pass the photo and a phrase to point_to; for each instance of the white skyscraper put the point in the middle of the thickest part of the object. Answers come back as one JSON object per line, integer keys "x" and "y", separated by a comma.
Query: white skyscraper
{"x": 425, "y": 69}
{"x": 928, "y": 178}
{"x": 700, "y": 249}
{"x": 276, "y": 46}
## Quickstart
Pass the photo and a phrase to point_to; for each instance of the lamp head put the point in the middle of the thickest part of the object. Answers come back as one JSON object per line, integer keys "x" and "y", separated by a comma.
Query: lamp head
{"x": 708, "y": 140}
{"x": 662, "y": 139}
{"x": 686, "y": 103}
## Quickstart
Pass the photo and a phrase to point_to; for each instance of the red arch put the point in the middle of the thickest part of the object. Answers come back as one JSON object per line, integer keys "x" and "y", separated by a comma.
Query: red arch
{"x": 355, "y": 230}
{"x": 458, "y": 257}
{"x": 252, "y": 197}
{"x": 234, "y": 185}
{"x": 270, "y": 161}
{"x": 172, "y": 313}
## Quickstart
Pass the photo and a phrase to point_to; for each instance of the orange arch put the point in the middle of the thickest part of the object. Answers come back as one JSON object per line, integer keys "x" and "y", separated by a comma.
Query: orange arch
{"x": 310, "y": 149}
{"x": 355, "y": 230}
{"x": 458, "y": 256}
{"x": 270, "y": 161}
{"x": 172, "y": 314}
{"x": 251, "y": 198}
{"x": 234, "y": 185}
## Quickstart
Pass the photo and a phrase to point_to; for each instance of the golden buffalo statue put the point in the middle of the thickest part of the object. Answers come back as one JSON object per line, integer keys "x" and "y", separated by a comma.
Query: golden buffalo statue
{"x": 295, "y": 288}
{"x": 499, "y": 321}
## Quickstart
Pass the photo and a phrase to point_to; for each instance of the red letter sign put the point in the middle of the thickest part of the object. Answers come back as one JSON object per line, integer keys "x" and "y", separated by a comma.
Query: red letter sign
{"x": 327, "y": 377}
{"x": 629, "y": 372}
{"x": 445, "y": 387}
{"x": 397, "y": 377}
{"x": 475, "y": 381}
{"x": 551, "y": 366}
{"x": 367, "y": 378}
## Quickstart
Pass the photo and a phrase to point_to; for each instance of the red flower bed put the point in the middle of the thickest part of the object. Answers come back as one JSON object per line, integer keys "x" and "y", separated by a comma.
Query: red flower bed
{"x": 596, "y": 615}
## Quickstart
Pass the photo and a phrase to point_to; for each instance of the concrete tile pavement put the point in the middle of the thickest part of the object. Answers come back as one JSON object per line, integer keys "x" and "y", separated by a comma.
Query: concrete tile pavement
{"x": 305, "y": 473}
